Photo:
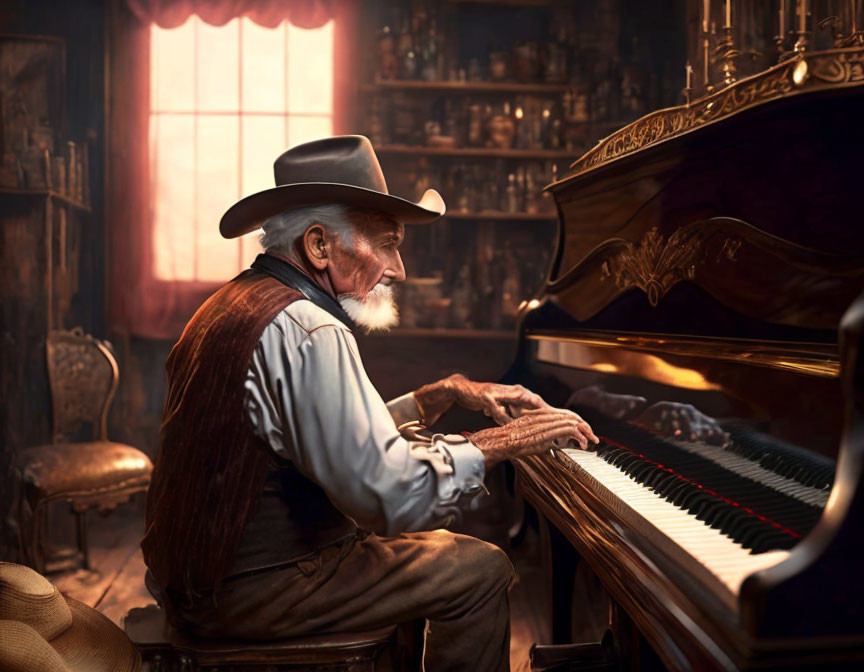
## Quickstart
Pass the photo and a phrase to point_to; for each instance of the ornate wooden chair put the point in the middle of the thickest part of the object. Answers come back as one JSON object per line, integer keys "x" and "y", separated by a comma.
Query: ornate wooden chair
{"x": 83, "y": 377}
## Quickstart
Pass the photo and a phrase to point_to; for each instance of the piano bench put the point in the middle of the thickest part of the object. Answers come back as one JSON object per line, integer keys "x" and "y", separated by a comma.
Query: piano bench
{"x": 166, "y": 649}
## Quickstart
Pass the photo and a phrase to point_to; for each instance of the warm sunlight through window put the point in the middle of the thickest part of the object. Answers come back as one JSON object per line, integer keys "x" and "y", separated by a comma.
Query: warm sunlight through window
{"x": 224, "y": 103}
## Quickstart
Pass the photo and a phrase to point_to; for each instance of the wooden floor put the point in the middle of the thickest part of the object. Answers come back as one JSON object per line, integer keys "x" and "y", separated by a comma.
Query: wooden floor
{"x": 116, "y": 583}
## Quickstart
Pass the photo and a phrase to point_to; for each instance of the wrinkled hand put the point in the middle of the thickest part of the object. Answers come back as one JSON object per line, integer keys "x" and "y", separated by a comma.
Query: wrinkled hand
{"x": 614, "y": 405}
{"x": 493, "y": 399}
{"x": 535, "y": 431}
{"x": 682, "y": 421}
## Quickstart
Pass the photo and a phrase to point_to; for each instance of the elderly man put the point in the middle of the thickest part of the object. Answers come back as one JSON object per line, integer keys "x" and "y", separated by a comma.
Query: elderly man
{"x": 285, "y": 501}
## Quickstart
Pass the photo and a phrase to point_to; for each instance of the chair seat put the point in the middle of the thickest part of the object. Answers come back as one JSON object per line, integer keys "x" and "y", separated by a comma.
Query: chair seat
{"x": 83, "y": 469}
{"x": 331, "y": 648}
{"x": 147, "y": 629}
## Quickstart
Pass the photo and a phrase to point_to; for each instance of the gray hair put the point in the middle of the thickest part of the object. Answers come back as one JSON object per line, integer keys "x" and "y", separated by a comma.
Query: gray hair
{"x": 282, "y": 231}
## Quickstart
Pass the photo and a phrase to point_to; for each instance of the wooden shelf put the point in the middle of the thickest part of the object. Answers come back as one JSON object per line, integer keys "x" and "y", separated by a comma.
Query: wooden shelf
{"x": 44, "y": 193}
{"x": 416, "y": 332}
{"x": 475, "y": 152}
{"x": 504, "y": 216}
{"x": 464, "y": 87}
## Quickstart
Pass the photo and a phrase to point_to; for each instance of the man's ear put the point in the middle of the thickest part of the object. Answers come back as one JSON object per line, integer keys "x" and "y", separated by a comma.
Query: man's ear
{"x": 315, "y": 246}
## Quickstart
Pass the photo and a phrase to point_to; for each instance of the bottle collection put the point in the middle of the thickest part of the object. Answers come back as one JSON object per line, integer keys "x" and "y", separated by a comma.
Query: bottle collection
{"x": 588, "y": 79}
{"x": 481, "y": 289}
{"x": 511, "y": 187}
{"x": 525, "y": 122}
{"x": 489, "y": 117}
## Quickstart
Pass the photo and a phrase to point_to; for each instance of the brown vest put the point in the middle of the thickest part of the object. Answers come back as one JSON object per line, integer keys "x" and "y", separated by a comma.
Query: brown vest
{"x": 211, "y": 469}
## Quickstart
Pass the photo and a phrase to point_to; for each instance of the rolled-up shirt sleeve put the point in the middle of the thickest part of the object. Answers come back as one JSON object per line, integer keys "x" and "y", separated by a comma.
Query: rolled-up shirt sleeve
{"x": 308, "y": 396}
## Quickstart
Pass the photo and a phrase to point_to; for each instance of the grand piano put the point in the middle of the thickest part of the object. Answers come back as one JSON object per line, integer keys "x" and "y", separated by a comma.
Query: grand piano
{"x": 712, "y": 254}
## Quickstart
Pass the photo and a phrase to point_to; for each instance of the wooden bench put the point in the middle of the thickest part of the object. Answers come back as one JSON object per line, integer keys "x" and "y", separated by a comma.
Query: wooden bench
{"x": 165, "y": 649}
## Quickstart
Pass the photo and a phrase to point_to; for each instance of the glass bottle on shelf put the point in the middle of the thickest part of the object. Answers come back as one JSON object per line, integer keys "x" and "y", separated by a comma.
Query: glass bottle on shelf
{"x": 469, "y": 188}
{"x": 532, "y": 189}
{"x": 487, "y": 283}
{"x": 422, "y": 178}
{"x": 511, "y": 284}
{"x": 512, "y": 194}
{"x": 405, "y": 53}
{"x": 475, "y": 125}
{"x": 387, "y": 66}
{"x": 376, "y": 129}
{"x": 460, "y": 187}
{"x": 500, "y": 128}
{"x": 430, "y": 53}
{"x": 462, "y": 296}
{"x": 520, "y": 188}
{"x": 451, "y": 125}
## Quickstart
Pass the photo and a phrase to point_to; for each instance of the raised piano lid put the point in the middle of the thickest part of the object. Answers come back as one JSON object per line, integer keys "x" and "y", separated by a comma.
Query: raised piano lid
{"x": 751, "y": 193}
{"x": 715, "y": 248}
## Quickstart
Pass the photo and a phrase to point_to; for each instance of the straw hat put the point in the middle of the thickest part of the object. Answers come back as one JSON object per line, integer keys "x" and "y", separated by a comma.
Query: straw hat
{"x": 44, "y": 631}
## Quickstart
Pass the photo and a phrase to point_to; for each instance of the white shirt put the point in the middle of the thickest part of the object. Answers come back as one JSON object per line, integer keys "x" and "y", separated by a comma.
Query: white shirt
{"x": 308, "y": 396}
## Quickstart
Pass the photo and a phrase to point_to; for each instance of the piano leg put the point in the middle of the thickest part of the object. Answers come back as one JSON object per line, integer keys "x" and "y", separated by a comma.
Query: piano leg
{"x": 578, "y": 605}
{"x": 589, "y": 630}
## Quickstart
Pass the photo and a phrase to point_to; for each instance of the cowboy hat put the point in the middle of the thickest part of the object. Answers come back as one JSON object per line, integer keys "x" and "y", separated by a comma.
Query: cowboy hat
{"x": 340, "y": 170}
{"x": 44, "y": 631}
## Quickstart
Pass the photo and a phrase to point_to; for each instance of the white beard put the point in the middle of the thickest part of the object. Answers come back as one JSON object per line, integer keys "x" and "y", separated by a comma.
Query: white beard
{"x": 375, "y": 312}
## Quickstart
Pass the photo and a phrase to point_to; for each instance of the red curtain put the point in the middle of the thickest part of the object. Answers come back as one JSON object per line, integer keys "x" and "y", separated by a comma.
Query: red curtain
{"x": 269, "y": 13}
{"x": 140, "y": 304}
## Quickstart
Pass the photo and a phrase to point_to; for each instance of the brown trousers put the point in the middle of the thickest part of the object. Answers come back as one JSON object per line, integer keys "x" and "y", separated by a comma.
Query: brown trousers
{"x": 459, "y": 583}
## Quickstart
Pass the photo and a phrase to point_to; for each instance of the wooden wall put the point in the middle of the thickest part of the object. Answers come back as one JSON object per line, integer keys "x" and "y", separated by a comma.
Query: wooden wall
{"x": 74, "y": 300}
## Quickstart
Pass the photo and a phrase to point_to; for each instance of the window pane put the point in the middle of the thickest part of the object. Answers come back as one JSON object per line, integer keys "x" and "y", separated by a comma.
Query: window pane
{"x": 203, "y": 162}
{"x": 172, "y": 161}
{"x": 304, "y": 129}
{"x": 263, "y": 142}
{"x": 172, "y": 67}
{"x": 218, "y": 58}
{"x": 218, "y": 159}
{"x": 263, "y": 68}
{"x": 310, "y": 69}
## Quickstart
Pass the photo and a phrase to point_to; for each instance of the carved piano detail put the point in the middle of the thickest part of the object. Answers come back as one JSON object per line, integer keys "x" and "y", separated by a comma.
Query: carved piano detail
{"x": 654, "y": 265}
{"x": 706, "y": 256}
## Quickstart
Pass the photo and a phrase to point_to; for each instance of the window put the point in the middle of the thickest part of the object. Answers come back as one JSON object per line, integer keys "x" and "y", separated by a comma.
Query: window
{"x": 225, "y": 102}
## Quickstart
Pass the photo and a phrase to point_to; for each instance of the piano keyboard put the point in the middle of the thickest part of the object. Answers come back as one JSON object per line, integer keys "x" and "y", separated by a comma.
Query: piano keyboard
{"x": 662, "y": 521}
{"x": 754, "y": 506}
{"x": 721, "y": 513}
{"x": 754, "y": 471}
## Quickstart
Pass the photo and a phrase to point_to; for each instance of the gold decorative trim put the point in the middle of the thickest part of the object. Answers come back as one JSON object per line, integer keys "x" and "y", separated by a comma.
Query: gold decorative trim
{"x": 583, "y": 350}
{"x": 654, "y": 265}
{"x": 824, "y": 70}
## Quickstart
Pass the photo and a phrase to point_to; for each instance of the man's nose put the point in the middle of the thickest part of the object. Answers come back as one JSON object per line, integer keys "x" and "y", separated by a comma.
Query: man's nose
{"x": 396, "y": 271}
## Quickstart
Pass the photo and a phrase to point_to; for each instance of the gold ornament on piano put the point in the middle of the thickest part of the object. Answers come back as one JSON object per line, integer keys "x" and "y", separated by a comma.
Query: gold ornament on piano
{"x": 842, "y": 67}
{"x": 654, "y": 265}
